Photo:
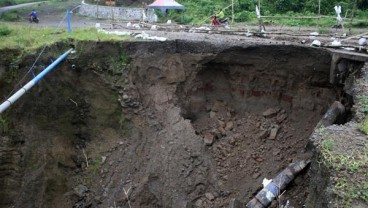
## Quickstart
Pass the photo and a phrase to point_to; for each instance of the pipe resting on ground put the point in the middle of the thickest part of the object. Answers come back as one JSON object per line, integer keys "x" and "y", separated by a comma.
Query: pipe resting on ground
{"x": 332, "y": 114}
{"x": 264, "y": 198}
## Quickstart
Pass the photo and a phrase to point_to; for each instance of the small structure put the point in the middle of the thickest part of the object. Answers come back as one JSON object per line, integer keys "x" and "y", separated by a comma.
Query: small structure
{"x": 165, "y": 4}
{"x": 110, "y": 2}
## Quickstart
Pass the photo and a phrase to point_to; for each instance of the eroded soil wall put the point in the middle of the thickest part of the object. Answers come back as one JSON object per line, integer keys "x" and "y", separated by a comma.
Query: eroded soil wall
{"x": 178, "y": 124}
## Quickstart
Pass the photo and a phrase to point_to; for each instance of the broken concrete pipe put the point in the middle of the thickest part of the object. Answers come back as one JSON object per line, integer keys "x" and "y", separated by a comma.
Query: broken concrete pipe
{"x": 333, "y": 113}
{"x": 264, "y": 198}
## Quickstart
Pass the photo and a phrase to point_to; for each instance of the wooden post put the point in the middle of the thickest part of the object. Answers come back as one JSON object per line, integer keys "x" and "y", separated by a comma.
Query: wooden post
{"x": 319, "y": 11}
{"x": 232, "y": 8}
{"x": 260, "y": 22}
{"x": 112, "y": 12}
{"x": 98, "y": 3}
{"x": 352, "y": 13}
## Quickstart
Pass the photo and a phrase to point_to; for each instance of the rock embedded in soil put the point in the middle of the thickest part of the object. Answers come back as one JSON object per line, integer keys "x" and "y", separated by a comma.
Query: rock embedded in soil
{"x": 80, "y": 190}
{"x": 103, "y": 159}
{"x": 280, "y": 118}
{"x": 221, "y": 123}
{"x": 198, "y": 203}
{"x": 232, "y": 141}
{"x": 274, "y": 132}
{"x": 210, "y": 196}
{"x": 212, "y": 114}
{"x": 263, "y": 134}
{"x": 234, "y": 203}
{"x": 222, "y": 130}
{"x": 271, "y": 112}
{"x": 209, "y": 138}
{"x": 229, "y": 125}
{"x": 256, "y": 175}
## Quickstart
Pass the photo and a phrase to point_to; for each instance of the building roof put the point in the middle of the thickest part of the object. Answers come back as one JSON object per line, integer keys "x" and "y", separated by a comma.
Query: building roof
{"x": 165, "y": 4}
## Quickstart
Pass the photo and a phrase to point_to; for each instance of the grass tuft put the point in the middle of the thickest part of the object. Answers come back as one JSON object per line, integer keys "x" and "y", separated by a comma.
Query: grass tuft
{"x": 363, "y": 102}
{"x": 4, "y": 30}
{"x": 364, "y": 126}
{"x": 347, "y": 165}
{"x": 3, "y": 125}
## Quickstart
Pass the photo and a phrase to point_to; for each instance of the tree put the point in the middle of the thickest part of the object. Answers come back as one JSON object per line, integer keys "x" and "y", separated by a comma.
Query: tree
{"x": 282, "y": 6}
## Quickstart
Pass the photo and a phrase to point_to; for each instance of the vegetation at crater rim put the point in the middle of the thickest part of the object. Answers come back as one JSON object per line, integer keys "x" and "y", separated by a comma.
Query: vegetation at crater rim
{"x": 199, "y": 12}
{"x": 363, "y": 102}
{"x": 29, "y": 38}
{"x": 349, "y": 169}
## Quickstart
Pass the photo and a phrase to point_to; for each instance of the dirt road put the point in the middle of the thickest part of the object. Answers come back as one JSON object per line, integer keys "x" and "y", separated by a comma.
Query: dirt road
{"x": 8, "y": 8}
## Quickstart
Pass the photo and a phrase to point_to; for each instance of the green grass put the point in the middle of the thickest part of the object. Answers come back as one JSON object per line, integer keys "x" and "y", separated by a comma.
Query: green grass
{"x": 359, "y": 24}
{"x": 348, "y": 192}
{"x": 348, "y": 165}
{"x": 4, "y": 126}
{"x": 10, "y": 16}
{"x": 28, "y": 38}
{"x": 363, "y": 103}
{"x": 118, "y": 64}
{"x": 364, "y": 126}
{"x": 338, "y": 161}
{"x": 95, "y": 165}
{"x": 4, "y": 30}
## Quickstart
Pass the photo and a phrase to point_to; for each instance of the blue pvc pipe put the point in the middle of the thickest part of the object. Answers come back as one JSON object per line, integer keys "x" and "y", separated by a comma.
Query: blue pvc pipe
{"x": 51, "y": 66}
{"x": 31, "y": 83}
{"x": 68, "y": 20}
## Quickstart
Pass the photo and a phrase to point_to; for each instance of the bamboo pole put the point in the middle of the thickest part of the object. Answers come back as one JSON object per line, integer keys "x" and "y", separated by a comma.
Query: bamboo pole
{"x": 232, "y": 10}
{"x": 98, "y": 3}
{"x": 352, "y": 13}
{"x": 356, "y": 36}
{"x": 319, "y": 12}
{"x": 289, "y": 17}
{"x": 260, "y": 22}
{"x": 112, "y": 12}
{"x": 303, "y": 17}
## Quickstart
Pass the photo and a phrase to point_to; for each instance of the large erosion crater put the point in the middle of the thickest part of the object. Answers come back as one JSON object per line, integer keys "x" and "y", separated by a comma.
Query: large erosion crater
{"x": 173, "y": 124}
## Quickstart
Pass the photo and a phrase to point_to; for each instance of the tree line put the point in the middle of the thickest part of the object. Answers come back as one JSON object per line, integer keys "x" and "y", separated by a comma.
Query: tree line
{"x": 312, "y": 6}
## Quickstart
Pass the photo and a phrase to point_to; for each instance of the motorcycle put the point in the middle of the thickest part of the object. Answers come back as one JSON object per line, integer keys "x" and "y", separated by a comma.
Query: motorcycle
{"x": 33, "y": 19}
{"x": 220, "y": 22}
{"x": 224, "y": 21}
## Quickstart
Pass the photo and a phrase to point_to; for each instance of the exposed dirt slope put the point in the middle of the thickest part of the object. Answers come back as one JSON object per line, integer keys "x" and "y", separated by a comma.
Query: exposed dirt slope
{"x": 164, "y": 124}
